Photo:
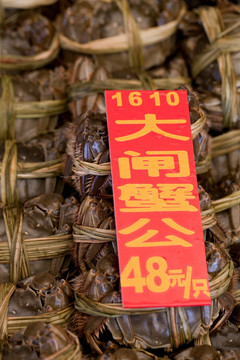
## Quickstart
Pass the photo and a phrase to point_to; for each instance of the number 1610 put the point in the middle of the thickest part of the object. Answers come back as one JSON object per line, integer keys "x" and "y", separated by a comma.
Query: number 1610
{"x": 135, "y": 98}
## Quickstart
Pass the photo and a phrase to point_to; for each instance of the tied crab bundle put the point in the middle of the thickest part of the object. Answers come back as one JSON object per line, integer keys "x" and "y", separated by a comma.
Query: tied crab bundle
{"x": 37, "y": 237}
{"x": 39, "y": 298}
{"x": 28, "y": 41}
{"x": 225, "y": 155}
{"x": 42, "y": 341}
{"x": 225, "y": 198}
{"x": 28, "y": 168}
{"x": 90, "y": 79}
{"x": 122, "y": 34}
{"x": 222, "y": 183}
{"x": 31, "y": 168}
{"x": 35, "y": 99}
{"x": 93, "y": 232}
{"x": 88, "y": 152}
{"x": 88, "y": 149}
{"x": 99, "y": 306}
{"x": 212, "y": 46}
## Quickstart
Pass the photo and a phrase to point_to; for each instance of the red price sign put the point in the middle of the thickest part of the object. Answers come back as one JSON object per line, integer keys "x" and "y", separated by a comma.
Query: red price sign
{"x": 159, "y": 230}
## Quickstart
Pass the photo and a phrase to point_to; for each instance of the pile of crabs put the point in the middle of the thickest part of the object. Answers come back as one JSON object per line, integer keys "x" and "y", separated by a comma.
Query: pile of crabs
{"x": 60, "y": 286}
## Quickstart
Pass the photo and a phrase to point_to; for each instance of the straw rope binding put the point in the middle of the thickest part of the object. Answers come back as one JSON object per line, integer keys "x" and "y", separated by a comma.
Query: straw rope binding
{"x": 222, "y": 44}
{"x": 85, "y": 234}
{"x": 132, "y": 41}
{"x": 225, "y": 143}
{"x": 9, "y": 108}
{"x": 116, "y": 44}
{"x": 56, "y": 317}
{"x": 83, "y": 89}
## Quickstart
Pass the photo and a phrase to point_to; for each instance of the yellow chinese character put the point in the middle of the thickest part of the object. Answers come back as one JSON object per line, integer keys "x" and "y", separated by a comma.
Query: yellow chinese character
{"x": 141, "y": 193}
{"x": 200, "y": 285}
{"x": 145, "y": 198}
{"x": 166, "y": 160}
{"x": 175, "y": 197}
{"x": 150, "y": 125}
{"x": 182, "y": 280}
{"x": 142, "y": 240}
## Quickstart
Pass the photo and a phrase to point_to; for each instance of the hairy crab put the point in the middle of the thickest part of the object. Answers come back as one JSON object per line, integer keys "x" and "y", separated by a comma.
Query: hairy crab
{"x": 40, "y": 297}
{"x": 87, "y": 70}
{"x": 93, "y": 232}
{"x": 87, "y": 20}
{"x": 39, "y": 97}
{"x": 224, "y": 198}
{"x": 43, "y": 223}
{"x": 89, "y": 152}
{"x": 201, "y": 144}
{"x": 29, "y": 40}
{"x": 41, "y": 341}
{"x": 36, "y": 165}
{"x": 26, "y": 33}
